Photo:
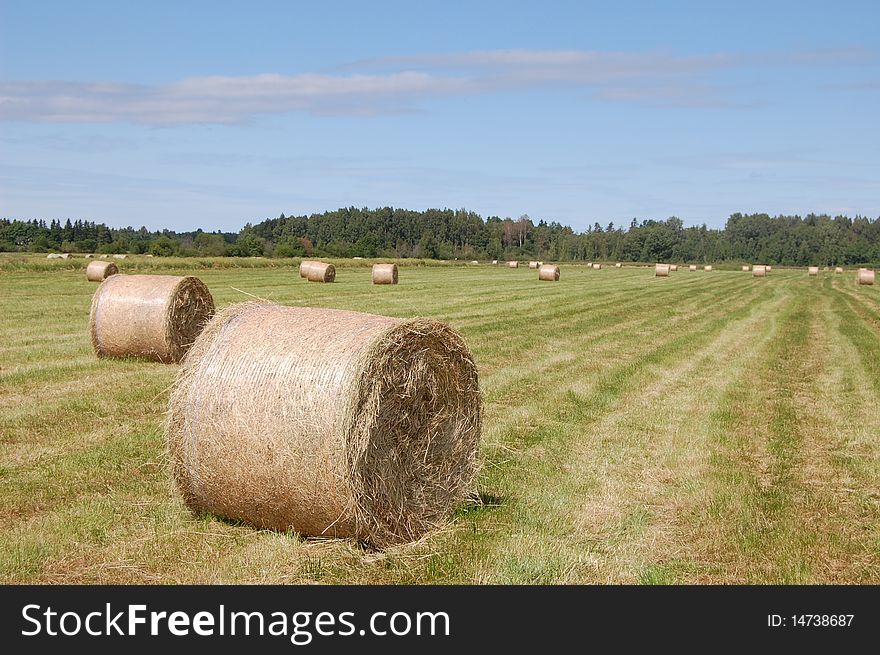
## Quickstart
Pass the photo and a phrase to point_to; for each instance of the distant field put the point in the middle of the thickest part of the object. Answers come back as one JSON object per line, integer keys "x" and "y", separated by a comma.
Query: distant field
{"x": 705, "y": 428}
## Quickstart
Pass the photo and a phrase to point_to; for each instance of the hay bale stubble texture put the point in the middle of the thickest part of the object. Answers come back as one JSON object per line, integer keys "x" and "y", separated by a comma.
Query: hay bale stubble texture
{"x": 369, "y": 428}
{"x": 661, "y": 270}
{"x": 384, "y": 273}
{"x": 864, "y": 276}
{"x": 548, "y": 273}
{"x": 153, "y": 317}
{"x": 97, "y": 271}
{"x": 320, "y": 272}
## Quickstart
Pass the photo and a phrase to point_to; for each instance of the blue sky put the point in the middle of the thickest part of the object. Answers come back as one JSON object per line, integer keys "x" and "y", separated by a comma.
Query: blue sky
{"x": 214, "y": 114}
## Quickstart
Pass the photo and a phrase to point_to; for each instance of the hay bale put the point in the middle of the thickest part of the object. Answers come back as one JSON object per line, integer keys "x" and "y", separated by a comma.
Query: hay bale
{"x": 618, "y": 265}
{"x": 769, "y": 268}
{"x": 64, "y": 255}
{"x": 813, "y": 270}
{"x": 533, "y": 264}
{"x": 370, "y": 431}
{"x": 53, "y": 255}
{"x": 548, "y": 273}
{"x": 864, "y": 276}
{"x": 495, "y": 261}
{"x": 150, "y": 316}
{"x": 745, "y": 269}
{"x": 119, "y": 256}
{"x": 759, "y": 271}
{"x": 384, "y": 273}
{"x": 597, "y": 266}
{"x": 89, "y": 256}
{"x": 692, "y": 267}
{"x": 661, "y": 270}
{"x": 320, "y": 272}
{"x": 513, "y": 264}
{"x": 474, "y": 261}
{"x": 97, "y": 271}
{"x": 708, "y": 268}
{"x": 673, "y": 267}
{"x": 838, "y": 270}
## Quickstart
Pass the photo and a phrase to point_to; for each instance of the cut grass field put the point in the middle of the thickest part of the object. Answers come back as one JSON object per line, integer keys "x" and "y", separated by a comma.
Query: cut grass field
{"x": 701, "y": 428}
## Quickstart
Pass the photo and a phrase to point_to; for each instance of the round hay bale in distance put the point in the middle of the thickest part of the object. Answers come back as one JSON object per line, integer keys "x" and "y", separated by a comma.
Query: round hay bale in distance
{"x": 120, "y": 256}
{"x": 597, "y": 266}
{"x": 548, "y": 273}
{"x": 513, "y": 264}
{"x": 864, "y": 276}
{"x": 370, "y": 431}
{"x": 661, "y": 270}
{"x": 98, "y": 271}
{"x": 759, "y": 271}
{"x": 745, "y": 269}
{"x": 673, "y": 267}
{"x": 838, "y": 270}
{"x": 618, "y": 265}
{"x": 692, "y": 267}
{"x": 708, "y": 268}
{"x": 533, "y": 264}
{"x": 384, "y": 273}
{"x": 153, "y": 317}
{"x": 813, "y": 271}
{"x": 320, "y": 272}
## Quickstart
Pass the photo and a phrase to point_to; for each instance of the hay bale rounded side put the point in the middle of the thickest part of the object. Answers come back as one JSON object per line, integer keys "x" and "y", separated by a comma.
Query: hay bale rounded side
{"x": 384, "y": 273}
{"x": 759, "y": 271}
{"x": 155, "y": 317}
{"x": 708, "y": 268}
{"x": 813, "y": 271}
{"x": 673, "y": 267}
{"x": 548, "y": 273}
{"x": 838, "y": 270}
{"x": 864, "y": 276}
{"x": 320, "y": 272}
{"x": 618, "y": 265}
{"x": 513, "y": 264}
{"x": 98, "y": 271}
{"x": 370, "y": 431}
{"x": 745, "y": 269}
{"x": 692, "y": 267}
{"x": 597, "y": 266}
{"x": 533, "y": 264}
{"x": 769, "y": 268}
{"x": 120, "y": 256}
{"x": 661, "y": 270}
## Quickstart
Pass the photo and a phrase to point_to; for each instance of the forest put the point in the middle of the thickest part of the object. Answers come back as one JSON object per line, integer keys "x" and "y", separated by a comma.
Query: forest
{"x": 815, "y": 239}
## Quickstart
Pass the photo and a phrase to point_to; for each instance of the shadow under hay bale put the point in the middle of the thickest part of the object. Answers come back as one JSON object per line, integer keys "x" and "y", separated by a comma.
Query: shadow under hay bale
{"x": 320, "y": 272}
{"x": 548, "y": 273}
{"x": 97, "y": 271}
{"x": 370, "y": 431}
{"x": 153, "y": 317}
{"x": 384, "y": 273}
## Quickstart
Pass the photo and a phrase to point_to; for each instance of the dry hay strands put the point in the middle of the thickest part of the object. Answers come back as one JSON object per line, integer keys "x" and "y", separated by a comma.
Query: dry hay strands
{"x": 319, "y": 272}
{"x": 548, "y": 273}
{"x": 155, "y": 317}
{"x": 838, "y": 270}
{"x": 533, "y": 264}
{"x": 384, "y": 273}
{"x": 708, "y": 268}
{"x": 513, "y": 264}
{"x": 813, "y": 271}
{"x": 759, "y": 271}
{"x": 597, "y": 266}
{"x": 304, "y": 267}
{"x": 98, "y": 270}
{"x": 370, "y": 431}
{"x": 692, "y": 267}
{"x": 864, "y": 276}
{"x": 661, "y": 270}
{"x": 745, "y": 269}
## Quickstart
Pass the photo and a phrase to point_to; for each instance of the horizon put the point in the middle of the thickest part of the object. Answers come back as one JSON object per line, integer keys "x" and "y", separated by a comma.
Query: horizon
{"x": 214, "y": 115}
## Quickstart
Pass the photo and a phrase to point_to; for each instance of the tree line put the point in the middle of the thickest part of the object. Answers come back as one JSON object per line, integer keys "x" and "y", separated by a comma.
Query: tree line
{"x": 815, "y": 239}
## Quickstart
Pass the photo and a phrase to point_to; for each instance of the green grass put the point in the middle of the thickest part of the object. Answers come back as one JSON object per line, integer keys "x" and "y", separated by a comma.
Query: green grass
{"x": 705, "y": 428}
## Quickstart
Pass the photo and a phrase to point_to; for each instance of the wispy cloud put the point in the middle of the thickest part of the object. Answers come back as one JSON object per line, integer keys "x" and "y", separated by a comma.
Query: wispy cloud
{"x": 398, "y": 84}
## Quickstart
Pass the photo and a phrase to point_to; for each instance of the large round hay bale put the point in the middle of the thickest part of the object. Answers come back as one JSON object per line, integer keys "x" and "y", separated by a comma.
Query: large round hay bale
{"x": 661, "y": 270}
{"x": 838, "y": 270}
{"x": 150, "y": 316}
{"x": 533, "y": 264}
{"x": 370, "y": 431}
{"x": 513, "y": 264}
{"x": 813, "y": 271}
{"x": 548, "y": 273}
{"x": 98, "y": 270}
{"x": 384, "y": 273}
{"x": 692, "y": 267}
{"x": 320, "y": 272}
{"x": 745, "y": 269}
{"x": 304, "y": 267}
{"x": 597, "y": 266}
{"x": 759, "y": 271}
{"x": 708, "y": 268}
{"x": 864, "y": 276}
